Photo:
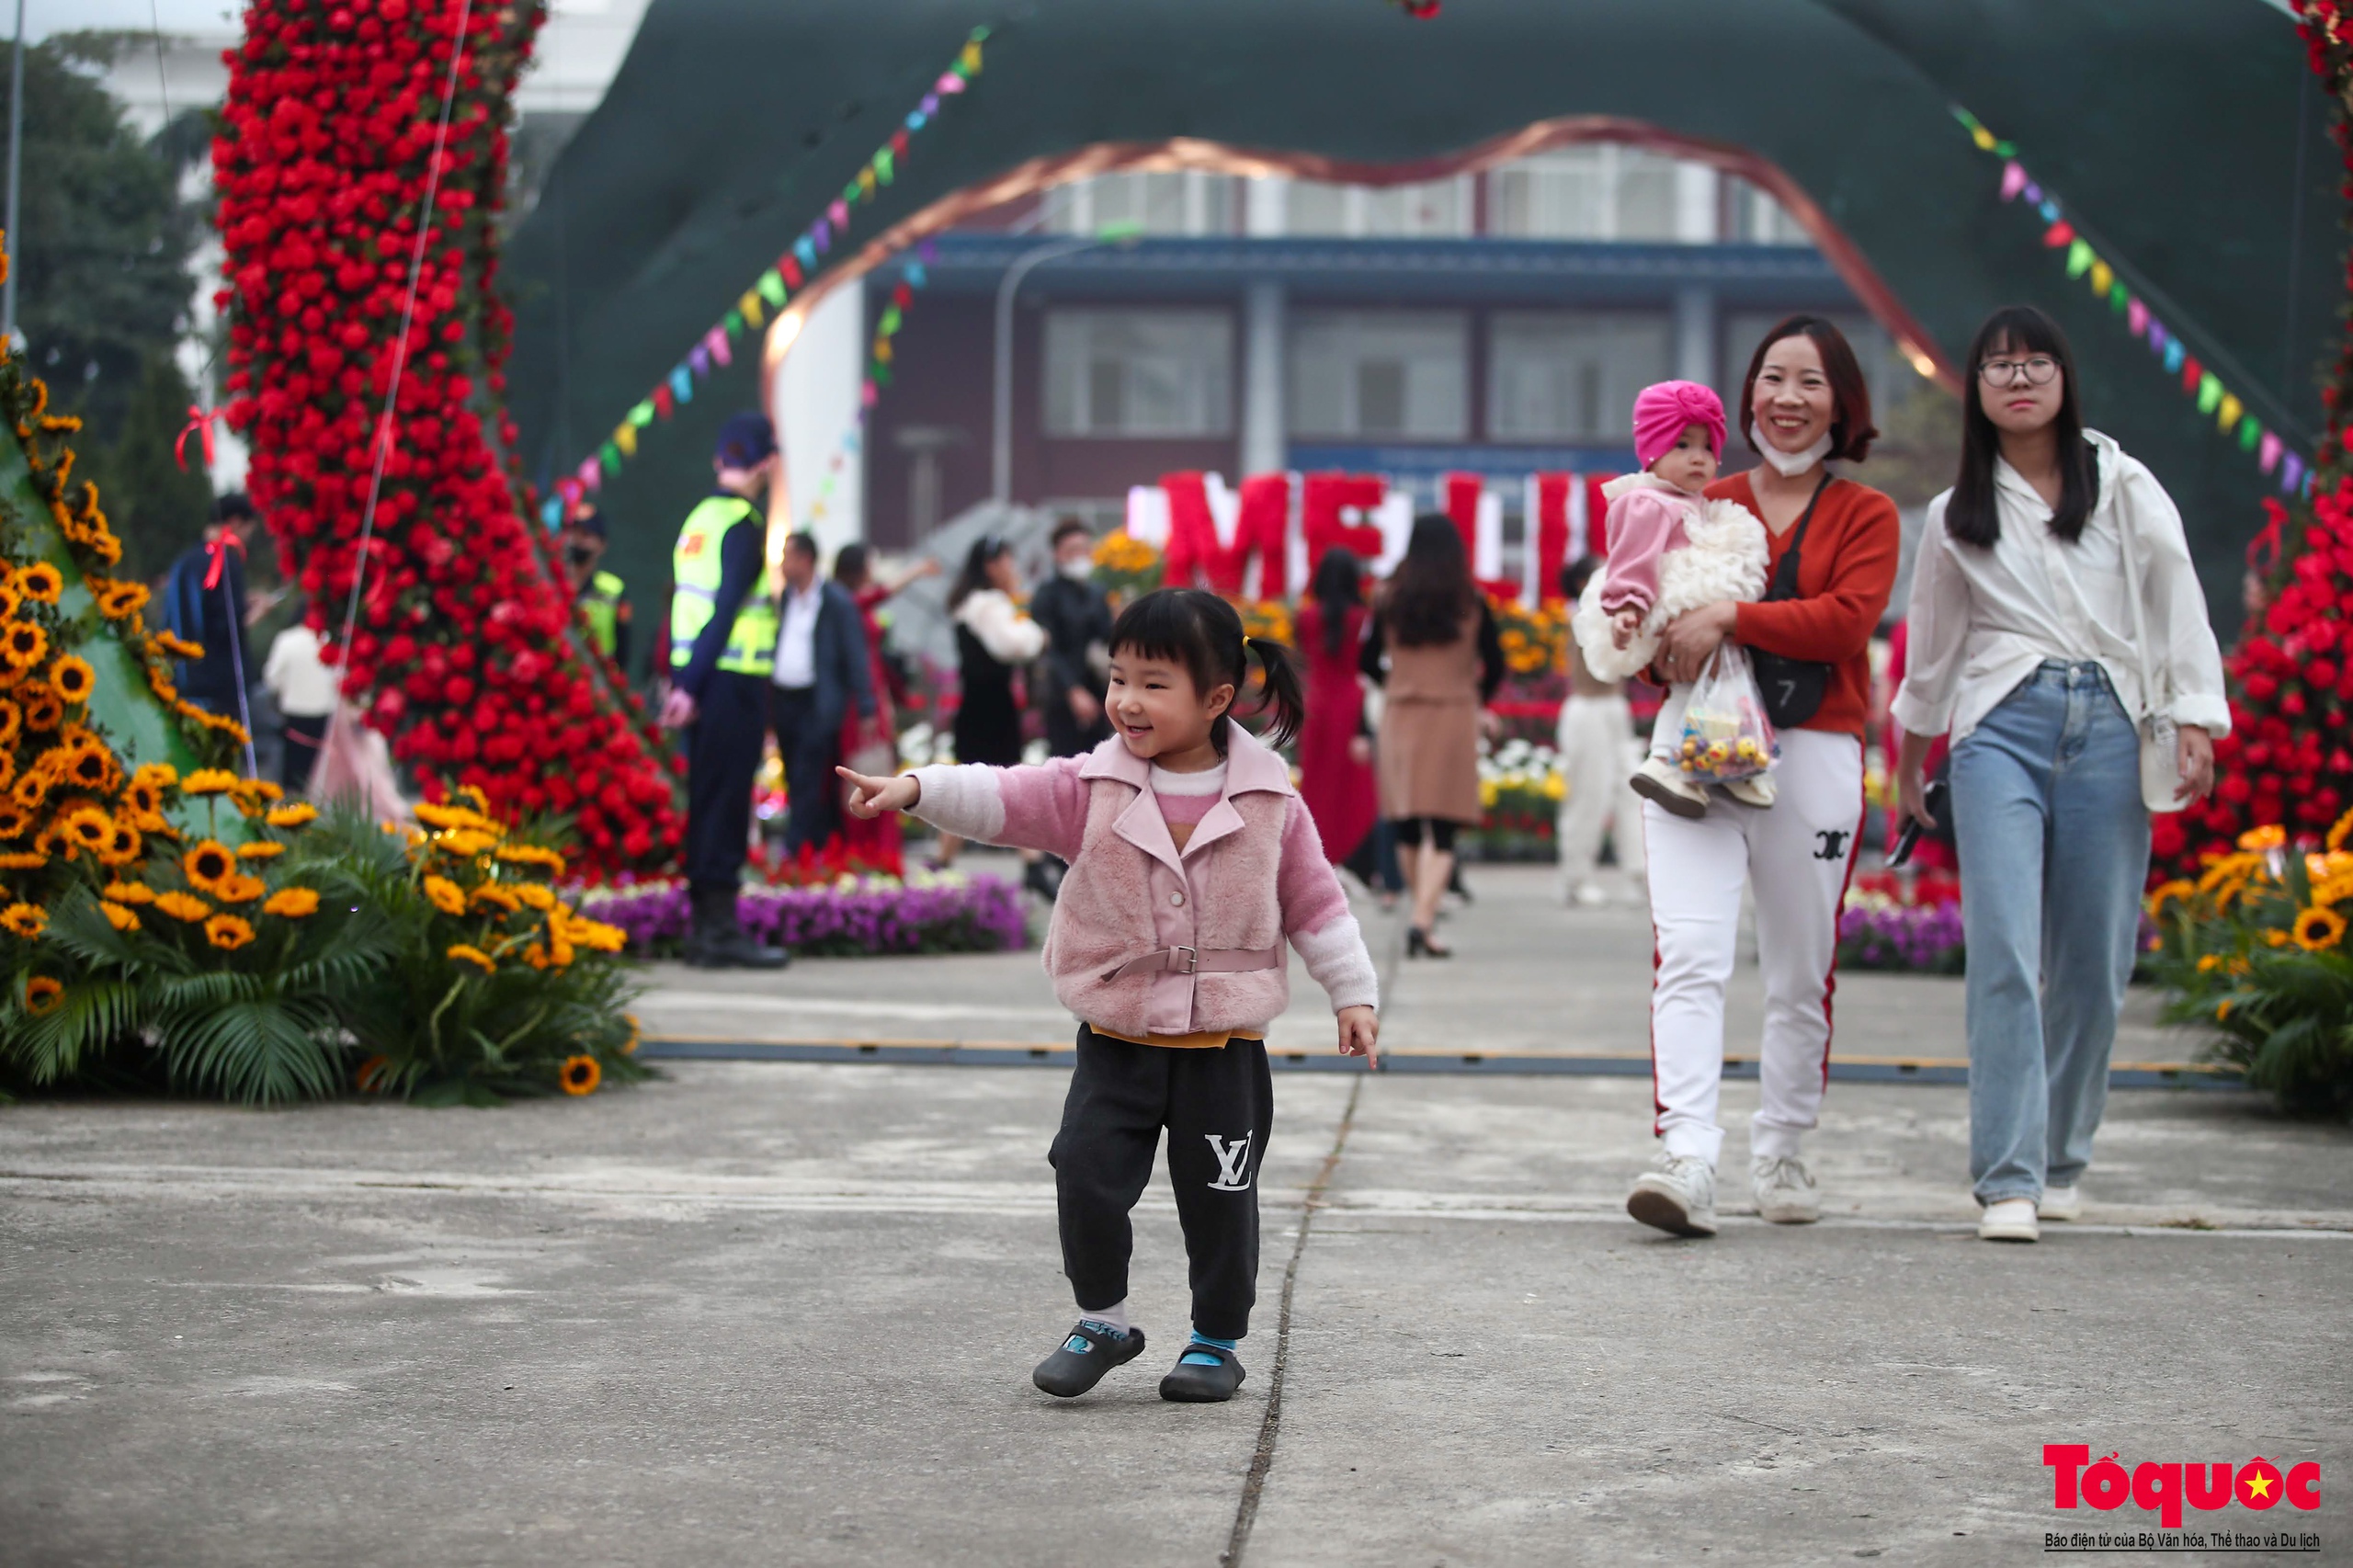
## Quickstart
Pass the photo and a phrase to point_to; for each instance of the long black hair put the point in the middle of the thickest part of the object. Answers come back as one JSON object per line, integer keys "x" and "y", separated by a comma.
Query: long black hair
{"x": 851, "y": 566}
{"x": 1200, "y": 631}
{"x": 976, "y": 574}
{"x": 1431, "y": 593}
{"x": 1338, "y": 587}
{"x": 1970, "y": 514}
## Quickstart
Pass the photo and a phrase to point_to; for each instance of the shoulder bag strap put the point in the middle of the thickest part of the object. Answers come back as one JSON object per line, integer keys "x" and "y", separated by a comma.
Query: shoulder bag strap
{"x": 1785, "y": 572}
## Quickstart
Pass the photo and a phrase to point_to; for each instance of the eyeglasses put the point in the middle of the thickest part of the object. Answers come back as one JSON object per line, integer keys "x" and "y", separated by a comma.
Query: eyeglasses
{"x": 2034, "y": 372}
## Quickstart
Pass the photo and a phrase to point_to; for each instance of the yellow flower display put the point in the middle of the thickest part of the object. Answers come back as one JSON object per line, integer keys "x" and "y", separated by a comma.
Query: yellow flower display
{"x": 292, "y": 904}
{"x": 466, "y": 952}
{"x": 43, "y": 995}
{"x": 532, "y": 854}
{"x": 209, "y": 781}
{"x": 182, "y": 906}
{"x": 41, "y": 582}
{"x": 261, "y": 849}
{"x": 86, "y": 827}
{"x": 128, "y": 892}
{"x": 2318, "y": 928}
{"x": 535, "y": 895}
{"x": 123, "y": 846}
{"x": 494, "y": 896}
{"x": 446, "y": 895}
{"x": 207, "y": 863}
{"x": 25, "y": 920}
{"x": 581, "y": 1076}
{"x": 121, "y": 918}
{"x": 299, "y": 814}
{"x": 238, "y": 888}
{"x": 22, "y": 644}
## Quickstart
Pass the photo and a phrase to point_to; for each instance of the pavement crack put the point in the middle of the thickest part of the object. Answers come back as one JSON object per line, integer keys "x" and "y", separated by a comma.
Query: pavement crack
{"x": 1254, "y": 1485}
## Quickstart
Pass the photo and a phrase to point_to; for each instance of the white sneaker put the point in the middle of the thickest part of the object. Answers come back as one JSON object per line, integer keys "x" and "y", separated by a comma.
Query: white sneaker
{"x": 2009, "y": 1219}
{"x": 1677, "y": 1194}
{"x": 1588, "y": 895}
{"x": 1757, "y": 791}
{"x": 2061, "y": 1203}
{"x": 1785, "y": 1193}
{"x": 1660, "y": 780}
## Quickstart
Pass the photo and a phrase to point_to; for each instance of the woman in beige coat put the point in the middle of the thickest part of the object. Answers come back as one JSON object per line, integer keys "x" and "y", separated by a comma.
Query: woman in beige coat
{"x": 1435, "y": 651}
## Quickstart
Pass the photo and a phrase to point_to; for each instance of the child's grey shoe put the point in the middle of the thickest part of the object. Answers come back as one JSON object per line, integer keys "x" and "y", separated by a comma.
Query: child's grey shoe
{"x": 1197, "y": 1379}
{"x": 1082, "y": 1360}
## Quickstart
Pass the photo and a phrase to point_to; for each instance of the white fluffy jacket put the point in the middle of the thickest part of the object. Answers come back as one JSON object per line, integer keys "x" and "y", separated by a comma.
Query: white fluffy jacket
{"x": 1669, "y": 553}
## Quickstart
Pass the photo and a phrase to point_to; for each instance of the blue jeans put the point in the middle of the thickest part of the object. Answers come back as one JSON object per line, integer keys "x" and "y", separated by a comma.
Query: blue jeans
{"x": 2054, "y": 848}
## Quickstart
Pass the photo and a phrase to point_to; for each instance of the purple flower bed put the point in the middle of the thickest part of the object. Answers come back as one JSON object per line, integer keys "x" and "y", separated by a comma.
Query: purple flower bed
{"x": 1924, "y": 939}
{"x": 983, "y": 915}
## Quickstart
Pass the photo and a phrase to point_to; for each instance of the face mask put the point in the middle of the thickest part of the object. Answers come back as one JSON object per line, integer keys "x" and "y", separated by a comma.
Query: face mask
{"x": 1788, "y": 465}
{"x": 1079, "y": 571}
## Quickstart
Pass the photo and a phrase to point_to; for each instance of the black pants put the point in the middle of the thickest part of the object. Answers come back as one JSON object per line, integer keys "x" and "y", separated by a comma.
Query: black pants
{"x": 810, "y": 746}
{"x": 722, "y": 759}
{"x": 1409, "y": 833}
{"x": 299, "y": 736}
{"x": 1218, "y": 1107}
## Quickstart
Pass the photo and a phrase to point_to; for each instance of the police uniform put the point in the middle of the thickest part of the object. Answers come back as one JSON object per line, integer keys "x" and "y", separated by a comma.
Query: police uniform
{"x": 722, "y": 644}
{"x": 604, "y": 604}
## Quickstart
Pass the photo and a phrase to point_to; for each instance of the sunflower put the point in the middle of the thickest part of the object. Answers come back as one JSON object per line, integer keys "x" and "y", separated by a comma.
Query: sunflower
{"x": 227, "y": 932}
{"x": 182, "y": 906}
{"x": 41, "y": 582}
{"x": 2318, "y": 927}
{"x": 448, "y": 817}
{"x": 256, "y": 791}
{"x": 596, "y": 935}
{"x": 24, "y": 859}
{"x": 261, "y": 849}
{"x": 119, "y": 918}
{"x": 11, "y": 601}
{"x": 88, "y": 765}
{"x": 207, "y": 863}
{"x": 295, "y": 815}
{"x": 12, "y": 722}
{"x": 580, "y": 1075}
{"x": 209, "y": 781}
{"x": 2256, "y": 840}
{"x": 464, "y": 952}
{"x": 86, "y": 827}
{"x": 44, "y": 709}
{"x": 14, "y": 819}
{"x": 123, "y": 846}
{"x": 117, "y": 601}
{"x": 145, "y": 798}
{"x": 532, "y": 854}
{"x": 535, "y": 895}
{"x": 156, "y": 775}
{"x": 31, "y": 792}
{"x": 74, "y": 679}
{"x": 446, "y": 896}
{"x": 491, "y": 894}
{"x": 172, "y": 646}
{"x": 22, "y": 644}
{"x": 292, "y": 904}
{"x": 239, "y": 888}
{"x": 128, "y": 892}
{"x": 474, "y": 792}
{"x": 2167, "y": 893}
{"x": 25, "y": 920}
{"x": 466, "y": 843}
{"x": 43, "y": 995}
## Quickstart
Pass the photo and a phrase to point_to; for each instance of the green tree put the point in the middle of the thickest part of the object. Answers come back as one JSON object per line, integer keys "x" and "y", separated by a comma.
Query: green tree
{"x": 102, "y": 255}
{"x": 157, "y": 508}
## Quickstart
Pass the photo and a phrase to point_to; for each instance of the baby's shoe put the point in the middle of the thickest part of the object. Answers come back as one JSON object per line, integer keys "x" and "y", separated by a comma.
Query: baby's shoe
{"x": 1207, "y": 1373}
{"x": 1660, "y": 780}
{"x": 1082, "y": 1359}
{"x": 1756, "y": 791}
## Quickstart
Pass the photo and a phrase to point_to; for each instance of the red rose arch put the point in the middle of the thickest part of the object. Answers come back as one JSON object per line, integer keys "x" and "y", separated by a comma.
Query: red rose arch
{"x": 465, "y": 652}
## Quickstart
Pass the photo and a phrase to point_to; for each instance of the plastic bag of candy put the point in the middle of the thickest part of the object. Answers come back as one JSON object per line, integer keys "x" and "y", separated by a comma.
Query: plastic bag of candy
{"x": 1726, "y": 736}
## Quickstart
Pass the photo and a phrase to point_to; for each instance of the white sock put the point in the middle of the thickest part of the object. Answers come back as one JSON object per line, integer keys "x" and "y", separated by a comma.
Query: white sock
{"x": 1109, "y": 1317}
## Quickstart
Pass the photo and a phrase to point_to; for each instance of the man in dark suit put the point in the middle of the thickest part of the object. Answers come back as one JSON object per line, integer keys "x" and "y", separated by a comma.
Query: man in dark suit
{"x": 1077, "y": 619}
{"x": 821, "y": 671}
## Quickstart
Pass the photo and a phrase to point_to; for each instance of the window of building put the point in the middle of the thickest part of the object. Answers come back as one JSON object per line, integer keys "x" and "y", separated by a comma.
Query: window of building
{"x": 1570, "y": 376}
{"x": 1361, "y": 375}
{"x": 1436, "y": 208}
{"x": 1753, "y": 217}
{"x": 1139, "y": 372}
{"x": 1180, "y": 202}
{"x": 1600, "y": 192}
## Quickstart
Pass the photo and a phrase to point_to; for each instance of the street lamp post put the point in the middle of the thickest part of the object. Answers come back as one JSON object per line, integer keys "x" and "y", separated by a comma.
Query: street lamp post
{"x": 1001, "y": 410}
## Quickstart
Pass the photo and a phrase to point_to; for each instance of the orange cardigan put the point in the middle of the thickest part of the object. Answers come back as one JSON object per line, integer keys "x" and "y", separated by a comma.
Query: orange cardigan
{"x": 1844, "y": 578}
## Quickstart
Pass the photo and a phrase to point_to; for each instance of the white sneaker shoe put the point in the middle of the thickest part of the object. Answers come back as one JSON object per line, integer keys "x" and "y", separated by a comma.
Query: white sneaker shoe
{"x": 1785, "y": 1192}
{"x": 1757, "y": 791}
{"x": 1660, "y": 780}
{"x": 1677, "y": 1194}
{"x": 2009, "y": 1219}
{"x": 2061, "y": 1203}
{"x": 1588, "y": 895}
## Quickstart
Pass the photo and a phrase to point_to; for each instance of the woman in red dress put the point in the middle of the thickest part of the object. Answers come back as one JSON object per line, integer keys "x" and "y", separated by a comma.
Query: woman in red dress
{"x": 1335, "y": 757}
{"x": 873, "y": 844}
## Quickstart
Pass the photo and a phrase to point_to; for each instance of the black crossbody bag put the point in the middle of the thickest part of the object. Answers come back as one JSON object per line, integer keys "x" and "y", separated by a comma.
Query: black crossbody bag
{"x": 1792, "y": 689}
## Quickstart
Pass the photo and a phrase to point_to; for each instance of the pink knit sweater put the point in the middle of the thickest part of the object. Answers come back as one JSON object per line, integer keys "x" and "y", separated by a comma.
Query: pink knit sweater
{"x": 1252, "y": 875}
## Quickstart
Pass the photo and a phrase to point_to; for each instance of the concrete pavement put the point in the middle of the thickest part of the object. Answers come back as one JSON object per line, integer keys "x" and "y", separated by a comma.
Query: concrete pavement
{"x": 781, "y": 1313}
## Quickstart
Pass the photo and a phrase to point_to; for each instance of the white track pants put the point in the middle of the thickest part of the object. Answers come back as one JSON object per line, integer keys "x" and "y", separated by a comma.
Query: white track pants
{"x": 1598, "y": 750}
{"x": 1796, "y": 856}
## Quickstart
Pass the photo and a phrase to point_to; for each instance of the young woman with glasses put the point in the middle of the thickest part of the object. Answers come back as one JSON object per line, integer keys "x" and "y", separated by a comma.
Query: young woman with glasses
{"x": 2054, "y": 610}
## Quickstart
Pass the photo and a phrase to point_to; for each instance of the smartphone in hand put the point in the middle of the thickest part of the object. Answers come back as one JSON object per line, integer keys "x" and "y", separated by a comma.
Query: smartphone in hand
{"x": 1936, "y": 798}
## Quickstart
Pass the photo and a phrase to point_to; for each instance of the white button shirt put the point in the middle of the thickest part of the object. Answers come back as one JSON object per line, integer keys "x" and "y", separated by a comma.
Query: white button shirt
{"x": 796, "y": 645}
{"x": 1983, "y": 620}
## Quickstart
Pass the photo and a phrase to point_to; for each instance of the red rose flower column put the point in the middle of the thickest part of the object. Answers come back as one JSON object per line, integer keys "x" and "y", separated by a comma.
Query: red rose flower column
{"x": 464, "y": 653}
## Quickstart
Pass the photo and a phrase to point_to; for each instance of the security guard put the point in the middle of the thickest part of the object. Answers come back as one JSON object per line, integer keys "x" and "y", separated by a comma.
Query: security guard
{"x": 722, "y": 647}
{"x": 598, "y": 593}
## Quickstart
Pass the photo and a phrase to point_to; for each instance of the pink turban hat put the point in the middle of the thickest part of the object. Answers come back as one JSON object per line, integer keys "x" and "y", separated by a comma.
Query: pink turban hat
{"x": 1664, "y": 412}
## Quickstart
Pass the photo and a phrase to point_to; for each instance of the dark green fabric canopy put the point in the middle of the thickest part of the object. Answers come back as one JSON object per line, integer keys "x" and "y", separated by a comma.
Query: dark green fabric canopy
{"x": 2185, "y": 136}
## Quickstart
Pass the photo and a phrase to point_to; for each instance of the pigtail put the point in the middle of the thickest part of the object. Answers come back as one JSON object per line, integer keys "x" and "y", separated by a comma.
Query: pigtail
{"x": 1285, "y": 700}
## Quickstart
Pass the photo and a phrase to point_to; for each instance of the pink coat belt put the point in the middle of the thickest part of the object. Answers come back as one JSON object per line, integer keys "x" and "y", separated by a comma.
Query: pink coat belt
{"x": 1196, "y": 960}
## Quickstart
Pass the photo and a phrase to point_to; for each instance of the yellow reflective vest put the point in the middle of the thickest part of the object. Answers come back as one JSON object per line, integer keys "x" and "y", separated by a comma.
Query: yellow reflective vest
{"x": 694, "y": 568}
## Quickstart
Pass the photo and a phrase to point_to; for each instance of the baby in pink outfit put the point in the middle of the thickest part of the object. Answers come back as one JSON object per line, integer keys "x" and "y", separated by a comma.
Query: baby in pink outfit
{"x": 1671, "y": 549}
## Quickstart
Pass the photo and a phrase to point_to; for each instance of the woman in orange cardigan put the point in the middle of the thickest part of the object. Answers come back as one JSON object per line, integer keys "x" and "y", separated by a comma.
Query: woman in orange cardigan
{"x": 1804, "y": 400}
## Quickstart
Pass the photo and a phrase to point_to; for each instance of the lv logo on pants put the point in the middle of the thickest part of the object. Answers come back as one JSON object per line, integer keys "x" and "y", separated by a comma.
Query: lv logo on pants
{"x": 1233, "y": 1163}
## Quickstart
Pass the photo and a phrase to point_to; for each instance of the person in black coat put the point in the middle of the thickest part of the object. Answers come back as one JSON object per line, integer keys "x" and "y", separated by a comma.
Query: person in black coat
{"x": 821, "y": 671}
{"x": 1076, "y": 615}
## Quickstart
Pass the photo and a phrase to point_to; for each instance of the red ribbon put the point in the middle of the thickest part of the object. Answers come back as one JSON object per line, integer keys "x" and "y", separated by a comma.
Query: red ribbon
{"x": 216, "y": 553}
{"x": 200, "y": 423}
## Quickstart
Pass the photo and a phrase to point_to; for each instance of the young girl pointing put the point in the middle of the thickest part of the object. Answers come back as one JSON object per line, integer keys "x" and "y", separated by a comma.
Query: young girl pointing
{"x": 1191, "y": 861}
